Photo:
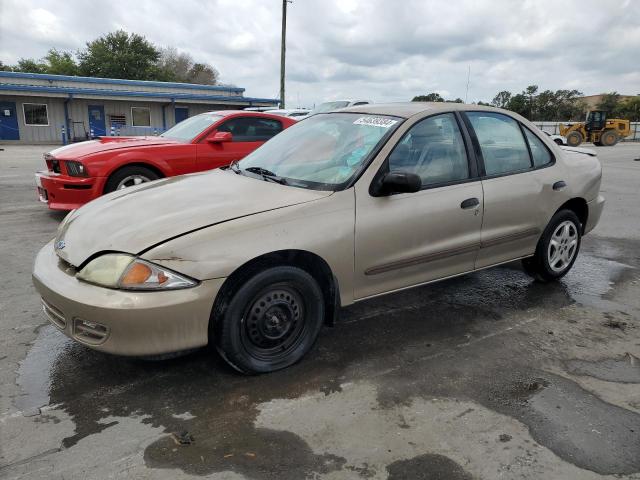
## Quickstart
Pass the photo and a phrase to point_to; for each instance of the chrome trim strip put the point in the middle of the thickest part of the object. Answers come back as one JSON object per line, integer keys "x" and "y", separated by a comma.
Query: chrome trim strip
{"x": 409, "y": 262}
{"x": 529, "y": 232}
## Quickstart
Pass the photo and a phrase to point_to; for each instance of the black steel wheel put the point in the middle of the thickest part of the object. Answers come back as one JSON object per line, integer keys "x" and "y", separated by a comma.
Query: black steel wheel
{"x": 271, "y": 321}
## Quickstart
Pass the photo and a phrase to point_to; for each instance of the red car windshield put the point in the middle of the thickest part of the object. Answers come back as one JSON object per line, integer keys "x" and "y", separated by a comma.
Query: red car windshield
{"x": 190, "y": 128}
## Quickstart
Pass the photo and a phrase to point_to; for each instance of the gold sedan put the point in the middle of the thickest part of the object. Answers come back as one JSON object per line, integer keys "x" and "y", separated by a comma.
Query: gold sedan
{"x": 343, "y": 206}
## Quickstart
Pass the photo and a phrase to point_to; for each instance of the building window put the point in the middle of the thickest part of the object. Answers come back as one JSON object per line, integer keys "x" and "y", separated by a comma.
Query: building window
{"x": 140, "y": 117}
{"x": 117, "y": 120}
{"x": 35, "y": 114}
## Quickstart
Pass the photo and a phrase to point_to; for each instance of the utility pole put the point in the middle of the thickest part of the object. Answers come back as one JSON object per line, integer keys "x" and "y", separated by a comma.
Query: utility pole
{"x": 283, "y": 50}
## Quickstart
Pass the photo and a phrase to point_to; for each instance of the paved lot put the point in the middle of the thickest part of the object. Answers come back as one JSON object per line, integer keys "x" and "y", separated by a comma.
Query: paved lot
{"x": 485, "y": 376}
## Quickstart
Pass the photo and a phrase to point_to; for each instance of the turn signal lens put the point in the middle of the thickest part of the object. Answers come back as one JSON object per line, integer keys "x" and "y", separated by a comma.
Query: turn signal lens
{"x": 138, "y": 273}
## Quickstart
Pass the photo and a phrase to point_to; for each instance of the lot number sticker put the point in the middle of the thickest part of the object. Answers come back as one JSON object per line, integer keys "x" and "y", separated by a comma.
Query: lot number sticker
{"x": 375, "y": 122}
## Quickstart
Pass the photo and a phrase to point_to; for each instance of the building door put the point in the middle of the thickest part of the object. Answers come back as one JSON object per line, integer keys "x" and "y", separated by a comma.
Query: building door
{"x": 8, "y": 121}
{"x": 97, "y": 125}
{"x": 181, "y": 113}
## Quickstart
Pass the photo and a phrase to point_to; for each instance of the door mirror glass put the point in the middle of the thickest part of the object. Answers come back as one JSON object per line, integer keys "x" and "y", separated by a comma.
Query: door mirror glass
{"x": 399, "y": 182}
{"x": 220, "y": 137}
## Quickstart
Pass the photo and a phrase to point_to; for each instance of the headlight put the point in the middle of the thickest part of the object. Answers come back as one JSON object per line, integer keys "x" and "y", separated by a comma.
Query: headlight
{"x": 76, "y": 169}
{"x": 118, "y": 270}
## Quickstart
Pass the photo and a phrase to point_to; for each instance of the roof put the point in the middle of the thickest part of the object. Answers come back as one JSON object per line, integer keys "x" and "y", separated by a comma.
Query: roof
{"x": 408, "y": 109}
{"x": 117, "y": 81}
{"x": 71, "y": 87}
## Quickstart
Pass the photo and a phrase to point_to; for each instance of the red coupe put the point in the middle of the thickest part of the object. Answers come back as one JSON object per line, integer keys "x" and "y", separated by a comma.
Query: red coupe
{"x": 78, "y": 173}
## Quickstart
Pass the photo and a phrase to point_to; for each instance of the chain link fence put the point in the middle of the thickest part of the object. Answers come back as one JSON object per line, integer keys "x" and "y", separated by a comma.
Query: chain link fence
{"x": 554, "y": 129}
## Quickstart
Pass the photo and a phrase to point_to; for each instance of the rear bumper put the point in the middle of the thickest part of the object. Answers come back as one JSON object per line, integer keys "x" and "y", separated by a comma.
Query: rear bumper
{"x": 61, "y": 192}
{"x": 595, "y": 208}
{"x": 123, "y": 322}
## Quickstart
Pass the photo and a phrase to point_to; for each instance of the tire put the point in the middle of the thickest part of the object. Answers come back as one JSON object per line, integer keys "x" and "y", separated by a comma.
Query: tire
{"x": 271, "y": 321}
{"x": 557, "y": 248}
{"x": 129, "y": 176}
{"x": 574, "y": 139}
{"x": 558, "y": 141}
{"x": 609, "y": 138}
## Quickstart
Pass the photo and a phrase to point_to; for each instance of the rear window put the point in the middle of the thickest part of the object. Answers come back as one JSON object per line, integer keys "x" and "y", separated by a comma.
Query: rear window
{"x": 503, "y": 147}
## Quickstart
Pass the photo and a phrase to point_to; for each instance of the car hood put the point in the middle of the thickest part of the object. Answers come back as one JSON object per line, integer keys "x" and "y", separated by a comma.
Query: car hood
{"x": 137, "y": 218}
{"x": 103, "y": 144}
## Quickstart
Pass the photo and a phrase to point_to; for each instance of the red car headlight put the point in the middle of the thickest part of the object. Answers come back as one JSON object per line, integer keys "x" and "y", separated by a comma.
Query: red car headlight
{"x": 76, "y": 169}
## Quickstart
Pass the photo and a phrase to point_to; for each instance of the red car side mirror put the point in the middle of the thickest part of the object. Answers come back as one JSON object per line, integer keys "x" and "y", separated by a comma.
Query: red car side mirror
{"x": 220, "y": 137}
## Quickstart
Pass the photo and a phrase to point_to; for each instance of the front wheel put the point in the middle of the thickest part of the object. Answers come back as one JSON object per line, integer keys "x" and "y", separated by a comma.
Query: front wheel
{"x": 574, "y": 139}
{"x": 557, "y": 248}
{"x": 129, "y": 176}
{"x": 271, "y": 321}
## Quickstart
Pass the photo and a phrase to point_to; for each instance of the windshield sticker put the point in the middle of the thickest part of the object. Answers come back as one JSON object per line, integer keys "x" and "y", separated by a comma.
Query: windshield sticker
{"x": 376, "y": 122}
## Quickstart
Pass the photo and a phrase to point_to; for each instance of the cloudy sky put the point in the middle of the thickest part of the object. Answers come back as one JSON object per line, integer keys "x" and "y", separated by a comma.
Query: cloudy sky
{"x": 383, "y": 50}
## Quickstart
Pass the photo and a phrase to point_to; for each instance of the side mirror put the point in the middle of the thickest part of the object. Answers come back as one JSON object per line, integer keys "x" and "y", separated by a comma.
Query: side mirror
{"x": 398, "y": 182}
{"x": 220, "y": 137}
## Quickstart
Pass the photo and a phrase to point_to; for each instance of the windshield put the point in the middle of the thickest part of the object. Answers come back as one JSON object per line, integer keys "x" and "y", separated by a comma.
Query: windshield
{"x": 190, "y": 128}
{"x": 328, "y": 106}
{"x": 325, "y": 152}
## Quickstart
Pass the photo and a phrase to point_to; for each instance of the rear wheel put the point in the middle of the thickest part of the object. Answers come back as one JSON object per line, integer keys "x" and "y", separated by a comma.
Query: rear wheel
{"x": 129, "y": 177}
{"x": 557, "y": 248}
{"x": 609, "y": 138}
{"x": 574, "y": 139}
{"x": 271, "y": 321}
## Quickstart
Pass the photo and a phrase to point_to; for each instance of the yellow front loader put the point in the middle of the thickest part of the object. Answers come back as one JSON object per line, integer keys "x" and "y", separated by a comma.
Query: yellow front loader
{"x": 598, "y": 129}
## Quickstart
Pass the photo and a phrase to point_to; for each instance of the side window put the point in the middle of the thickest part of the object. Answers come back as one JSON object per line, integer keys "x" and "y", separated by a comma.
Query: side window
{"x": 503, "y": 147}
{"x": 251, "y": 129}
{"x": 539, "y": 152}
{"x": 434, "y": 150}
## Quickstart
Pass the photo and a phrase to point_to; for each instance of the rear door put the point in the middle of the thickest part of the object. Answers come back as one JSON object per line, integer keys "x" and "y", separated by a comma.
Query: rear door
{"x": 410, "y": 238}
{"x": 518, "y": 175}
{"x": 248, "y": 133}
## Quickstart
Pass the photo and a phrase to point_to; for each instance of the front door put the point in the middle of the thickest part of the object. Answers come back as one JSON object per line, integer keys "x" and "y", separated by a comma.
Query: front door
{"x": 97, "y": 125}
{"x": 181, "y": 113}
{"x": 411, "y": 238}
{"x": 248, "y": 133}
{"x": 8, "y": 121}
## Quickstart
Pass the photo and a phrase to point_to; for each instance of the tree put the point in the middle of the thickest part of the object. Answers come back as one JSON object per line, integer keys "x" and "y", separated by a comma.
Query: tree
{"x": 519, "y": 104}
{"x": 30, "y": 65}
{"x": 431, "y": 97}
{"x": 609, "y": 102}
{"x": 120, "y": 55}
{"x": 203, "y": 74}
{"x": 630, "y": 109}
{"x": 4, "y": 68}
{"x": 501, "y": 100}
{"x": 60, "y": 63}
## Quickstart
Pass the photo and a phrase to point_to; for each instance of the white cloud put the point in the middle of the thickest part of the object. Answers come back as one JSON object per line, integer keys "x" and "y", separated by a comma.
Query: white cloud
{"x": 376, "y": 49}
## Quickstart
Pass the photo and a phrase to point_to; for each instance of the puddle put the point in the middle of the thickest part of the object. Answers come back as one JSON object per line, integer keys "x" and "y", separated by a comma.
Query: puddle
{"x": 35, "y": 371}
{"x": 427, "y": 467}
{"x": 622, "y": 370}
{"x": 584, "y": 430}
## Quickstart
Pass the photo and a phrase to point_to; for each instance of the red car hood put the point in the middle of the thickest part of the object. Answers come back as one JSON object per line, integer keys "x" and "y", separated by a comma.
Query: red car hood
{"x": 78, "y": 150}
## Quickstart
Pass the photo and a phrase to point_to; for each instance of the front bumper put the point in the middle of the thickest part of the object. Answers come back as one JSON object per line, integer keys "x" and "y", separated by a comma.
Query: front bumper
{"x": 595, "y": 208}
{"x": 62, "y": 192}
{"x": 123, "y": 322}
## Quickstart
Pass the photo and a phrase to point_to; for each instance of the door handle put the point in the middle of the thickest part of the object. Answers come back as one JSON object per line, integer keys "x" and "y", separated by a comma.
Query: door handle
{"x": 559, "y": 185}
{"x": 469, "y": 203}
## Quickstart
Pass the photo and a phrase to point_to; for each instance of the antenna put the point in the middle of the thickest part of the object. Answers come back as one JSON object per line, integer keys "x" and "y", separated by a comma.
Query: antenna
{"x": 466, "y": 95}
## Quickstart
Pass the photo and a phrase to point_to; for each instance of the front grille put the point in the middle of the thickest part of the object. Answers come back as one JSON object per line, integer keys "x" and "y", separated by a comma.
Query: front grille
{"x": 93, "y": 333}
{"x": 75, "y": 169}
{"x": 55, "y": 316}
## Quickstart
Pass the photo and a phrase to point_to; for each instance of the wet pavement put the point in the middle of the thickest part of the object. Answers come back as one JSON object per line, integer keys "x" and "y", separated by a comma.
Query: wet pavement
{"x": 490, "y": 375}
